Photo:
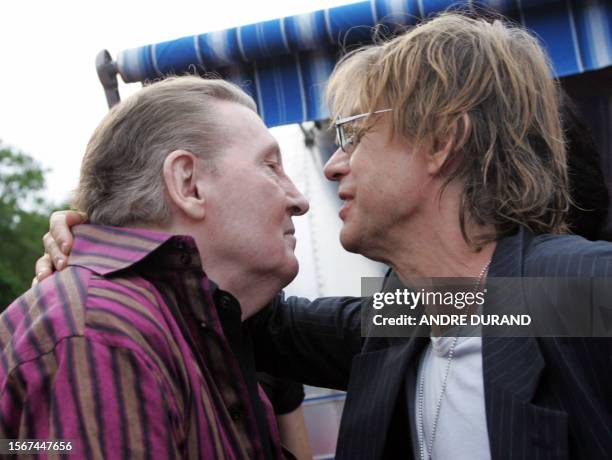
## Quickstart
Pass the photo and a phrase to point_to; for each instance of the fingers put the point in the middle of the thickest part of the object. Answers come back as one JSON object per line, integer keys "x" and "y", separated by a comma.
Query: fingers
{"x": 44, "y": 268}
{"x": 57, "y": 242}
{"x": 56, "y": 258}
{"x": 59, "y": 230}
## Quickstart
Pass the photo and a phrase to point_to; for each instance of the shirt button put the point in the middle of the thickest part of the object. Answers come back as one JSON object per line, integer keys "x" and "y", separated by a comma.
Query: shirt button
{"x": 185, "y": 259}
{"x": 225, "y": 301}
{"x": 203, "y": 325}
{"x": 235, "y": 413}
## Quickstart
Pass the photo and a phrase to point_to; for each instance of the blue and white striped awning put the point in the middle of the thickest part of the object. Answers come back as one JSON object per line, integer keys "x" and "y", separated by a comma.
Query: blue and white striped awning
{"x": 284, "y": 63}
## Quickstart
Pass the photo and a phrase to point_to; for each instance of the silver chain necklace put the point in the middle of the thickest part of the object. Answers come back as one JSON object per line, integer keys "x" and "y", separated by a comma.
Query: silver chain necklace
{"x": 424, "y": 445}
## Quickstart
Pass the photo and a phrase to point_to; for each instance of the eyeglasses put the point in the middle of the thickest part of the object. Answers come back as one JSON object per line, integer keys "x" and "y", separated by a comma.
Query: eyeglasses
{"x": 347, "y": 142}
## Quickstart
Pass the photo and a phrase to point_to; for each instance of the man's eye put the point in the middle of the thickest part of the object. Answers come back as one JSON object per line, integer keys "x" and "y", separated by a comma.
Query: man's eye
{"x": 354, "y": 139}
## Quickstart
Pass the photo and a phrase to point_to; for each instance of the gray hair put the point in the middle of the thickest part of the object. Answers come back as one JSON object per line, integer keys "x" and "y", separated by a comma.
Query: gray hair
{"x": 121, "y": 181}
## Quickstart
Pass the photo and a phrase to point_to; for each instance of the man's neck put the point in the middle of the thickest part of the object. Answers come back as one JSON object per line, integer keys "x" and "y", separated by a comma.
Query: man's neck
{"x": 253, "y": 291}
{"x": 443, "y": 253}
{"x": 434, "y": 245}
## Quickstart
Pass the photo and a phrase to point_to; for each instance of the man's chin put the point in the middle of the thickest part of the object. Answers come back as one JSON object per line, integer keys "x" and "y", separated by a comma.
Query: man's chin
{"x": 290, "y": 271}
{"x": 348, "y": 241}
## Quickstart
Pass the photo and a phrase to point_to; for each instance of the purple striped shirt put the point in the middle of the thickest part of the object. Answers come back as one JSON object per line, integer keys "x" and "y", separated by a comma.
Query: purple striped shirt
{"x": 124, "y": 354}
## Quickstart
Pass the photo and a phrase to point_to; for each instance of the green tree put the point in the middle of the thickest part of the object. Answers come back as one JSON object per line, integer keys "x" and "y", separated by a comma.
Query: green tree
{"x": 23, "y": 221}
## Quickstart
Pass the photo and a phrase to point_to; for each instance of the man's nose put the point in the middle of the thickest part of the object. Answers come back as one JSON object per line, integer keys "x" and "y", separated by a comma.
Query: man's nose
{"x": 298, "y": 203}
{"x": 337, "y": 166}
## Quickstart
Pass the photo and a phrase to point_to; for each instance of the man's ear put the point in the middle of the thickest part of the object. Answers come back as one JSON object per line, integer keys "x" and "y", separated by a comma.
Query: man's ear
{"x": 181, "y": 173}
{"x": 457, "y": 137}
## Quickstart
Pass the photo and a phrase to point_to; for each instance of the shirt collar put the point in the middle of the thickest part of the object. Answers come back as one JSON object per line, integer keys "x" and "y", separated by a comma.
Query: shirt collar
{"x": 105, "y": 250}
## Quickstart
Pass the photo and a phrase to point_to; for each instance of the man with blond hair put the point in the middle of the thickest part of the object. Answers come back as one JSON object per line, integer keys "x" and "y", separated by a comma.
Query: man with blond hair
{"x": 451, "y": 164}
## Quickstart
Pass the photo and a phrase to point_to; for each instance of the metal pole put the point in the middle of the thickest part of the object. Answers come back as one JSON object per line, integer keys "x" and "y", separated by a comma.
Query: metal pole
{"x": 107, "y": 73}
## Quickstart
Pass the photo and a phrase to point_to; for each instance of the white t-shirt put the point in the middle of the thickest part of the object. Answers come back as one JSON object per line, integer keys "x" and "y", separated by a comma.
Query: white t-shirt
{"x": 462, "y": 423}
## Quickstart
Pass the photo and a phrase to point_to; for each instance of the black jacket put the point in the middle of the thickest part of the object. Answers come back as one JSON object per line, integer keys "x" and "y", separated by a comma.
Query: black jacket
{"x": 544, "y": 397}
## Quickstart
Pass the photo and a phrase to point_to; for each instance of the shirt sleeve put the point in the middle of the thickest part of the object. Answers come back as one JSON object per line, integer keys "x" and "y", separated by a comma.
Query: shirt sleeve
{"x": 108, "y": 402}
{"x": 284, "y": 395}
{"x": 312, "y": 342}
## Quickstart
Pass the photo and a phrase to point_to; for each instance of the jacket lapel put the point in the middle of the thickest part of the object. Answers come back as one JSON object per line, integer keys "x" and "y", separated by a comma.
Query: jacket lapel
{"x": 510, "y": 364}
{"x": 512, "y": 367}
{"x": 376, "y": 388}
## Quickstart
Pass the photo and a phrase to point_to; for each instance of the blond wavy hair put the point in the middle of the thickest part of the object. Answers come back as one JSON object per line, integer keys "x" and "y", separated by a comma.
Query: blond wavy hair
{"x": 513, "y": 162}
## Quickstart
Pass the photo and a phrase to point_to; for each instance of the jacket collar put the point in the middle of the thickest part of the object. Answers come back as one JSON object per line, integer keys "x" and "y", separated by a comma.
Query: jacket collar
{"x": 508, "y": 262}
{"x": 512, "y": 366}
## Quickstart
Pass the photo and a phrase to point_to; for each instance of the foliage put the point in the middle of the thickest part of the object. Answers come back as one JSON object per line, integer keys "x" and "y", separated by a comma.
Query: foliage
{"x": 24, "y": 218}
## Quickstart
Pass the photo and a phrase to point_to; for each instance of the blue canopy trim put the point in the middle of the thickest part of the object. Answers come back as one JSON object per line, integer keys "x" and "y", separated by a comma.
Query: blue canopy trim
{"x": 284, "y": 63}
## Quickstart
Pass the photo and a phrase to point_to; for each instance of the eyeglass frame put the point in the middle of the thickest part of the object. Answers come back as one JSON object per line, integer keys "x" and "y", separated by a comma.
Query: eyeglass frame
{"x": 341, "y": 138}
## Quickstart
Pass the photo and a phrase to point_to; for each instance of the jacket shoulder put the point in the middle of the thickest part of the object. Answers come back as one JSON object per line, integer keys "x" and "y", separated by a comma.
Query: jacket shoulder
{"x": 567, "y": 255}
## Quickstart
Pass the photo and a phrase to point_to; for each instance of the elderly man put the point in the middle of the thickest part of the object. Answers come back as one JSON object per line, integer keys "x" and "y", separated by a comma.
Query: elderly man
{"x": 136, "y": 349}
{"x": 451, "y": 163}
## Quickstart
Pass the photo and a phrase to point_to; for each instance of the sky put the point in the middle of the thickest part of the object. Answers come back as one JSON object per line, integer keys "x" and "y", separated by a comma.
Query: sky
{"x": 50, "y": 97}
